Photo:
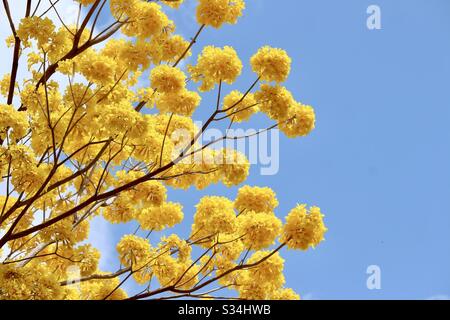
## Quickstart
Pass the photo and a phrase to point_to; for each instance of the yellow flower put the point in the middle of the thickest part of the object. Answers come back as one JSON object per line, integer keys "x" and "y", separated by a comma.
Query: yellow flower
{"x": 259, "y": 230}
{"x": 167, "y": 79}
{"x": 121, "y": 210}
{"x": 122, "y": 8}
{"x": 303, "y": 229}
{"x": 175, "y": 244}
{"x": 271, "y": 64}
{"x": 284, "y": 294}
{"x": 133, "y": 251}
{"x": 89, "y": 258}
{"x": 173, "y": 3}
{"x": 255, "y": 199}
{"x": 217, "y": 12}
{"x": 146, "y": 19}
{"x": 166, "y": 47}
{"x": 239, "y": 108}
{"x": 214, "y": 215}
{"x": 97, "y": 68}
{"x": 230, "y": 246}
{"x": 100, "y": 289}
{"x": 183, "y": 102}
{"x": 86, "y": 2}
{"x": 233, "y": 165}
{"x": 4, "y": 84}
{"x": 300, "y": 121}
{"x": 33, "y": 282}
{"x": 12, "y": 121}
{"x": 40, "y": 29}
{"x": 274, "y": 101}
{"x": 266, "y": 277}
{"x": 160, "y": 217}
{"x": 215, "y": 65}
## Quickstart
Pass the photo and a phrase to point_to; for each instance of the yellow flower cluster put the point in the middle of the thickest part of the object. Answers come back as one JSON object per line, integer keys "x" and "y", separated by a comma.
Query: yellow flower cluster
{"x": 258, "y": 229}
{"x": 213, "y": 215}
{"x": 235, "y": 167}
{"x": 240, "y": 108}
{"x": 216, "y": 65}
{"x": 12, "y": 121}
{"x": 303, "y": 229}
{"x": 160, "y": 217}
{"x": 217, "y": 12}
{"x": 173, "y": 3}
{"x": 98, "y": 290}
{"x": 300, "y": 121}
{"x": 275, "y": 101}
{"x": 28, "y": 283}
{"x": 97, "y": 68}
{"x": 167, "y": 79}
{"x": 271, "y": 64}
{"x": 4, "y": 84}
{"x": 133, "y": 251}
{"x": 255, "y": 199}
{"x": 183, "y": 103}
{"x": 39, "y": 29}
{"x": 261, "y": 281}
{"x": 146, "y": 19}
{"x": 284, "y": 294}
{"x": 172, "y": 96}
{"x": 167, "y": 48}
{"x": 175, "y": 244}
{"x": 86, "y": 2}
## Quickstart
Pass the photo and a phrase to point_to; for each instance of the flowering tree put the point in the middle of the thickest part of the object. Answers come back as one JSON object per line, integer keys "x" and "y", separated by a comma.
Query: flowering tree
{"x": 80, "y": 138}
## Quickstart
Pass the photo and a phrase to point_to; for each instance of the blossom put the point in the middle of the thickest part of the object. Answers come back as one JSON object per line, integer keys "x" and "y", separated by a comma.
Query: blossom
{"x": 233, "y": 165}
{"x": 284, "y": 294}
{"x": 97, "y": 68}
{"x": 213, "y": 215}
{"x": 271, "y": 64}
{"x": 167, "y": 48}
{"x": 173, "y": 3}
{"x": 133, "y": 251}
{"x": 146, "y": 19}
{"x": 160, "y": 217}
{"x": 167, "y": 79}
{"x": 300, "y": 121}
{"x": 216, "y": 65}
{"x": 13, "y": 121}
{"x": 240, "y": 108}
{"x": 217, "y": 12}
{"x": 31, "y": 282}
{"x": 259, "y": 230}
{"x": 274, "y": 101}
{"x": 86, "y": 2}
{"x": 257, "y": 199}
{"x": 40, "y": 29}
{"x": 303, "y": 228}
{"x": 261, "y": 281}
{"x": 183, "y": 102}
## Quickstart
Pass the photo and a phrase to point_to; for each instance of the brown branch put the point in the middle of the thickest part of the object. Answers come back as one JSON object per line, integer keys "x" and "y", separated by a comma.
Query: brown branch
{"x": 96, "y": 277}
{"x": 16, "y": 54}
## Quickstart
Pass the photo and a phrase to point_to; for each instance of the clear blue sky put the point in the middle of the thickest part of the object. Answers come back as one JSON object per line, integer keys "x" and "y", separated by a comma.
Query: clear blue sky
{"x": 378, "y": 163}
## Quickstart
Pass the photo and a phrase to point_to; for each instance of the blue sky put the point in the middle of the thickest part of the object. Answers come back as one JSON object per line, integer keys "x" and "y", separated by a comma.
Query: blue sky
{"x": 377, "y": 163}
